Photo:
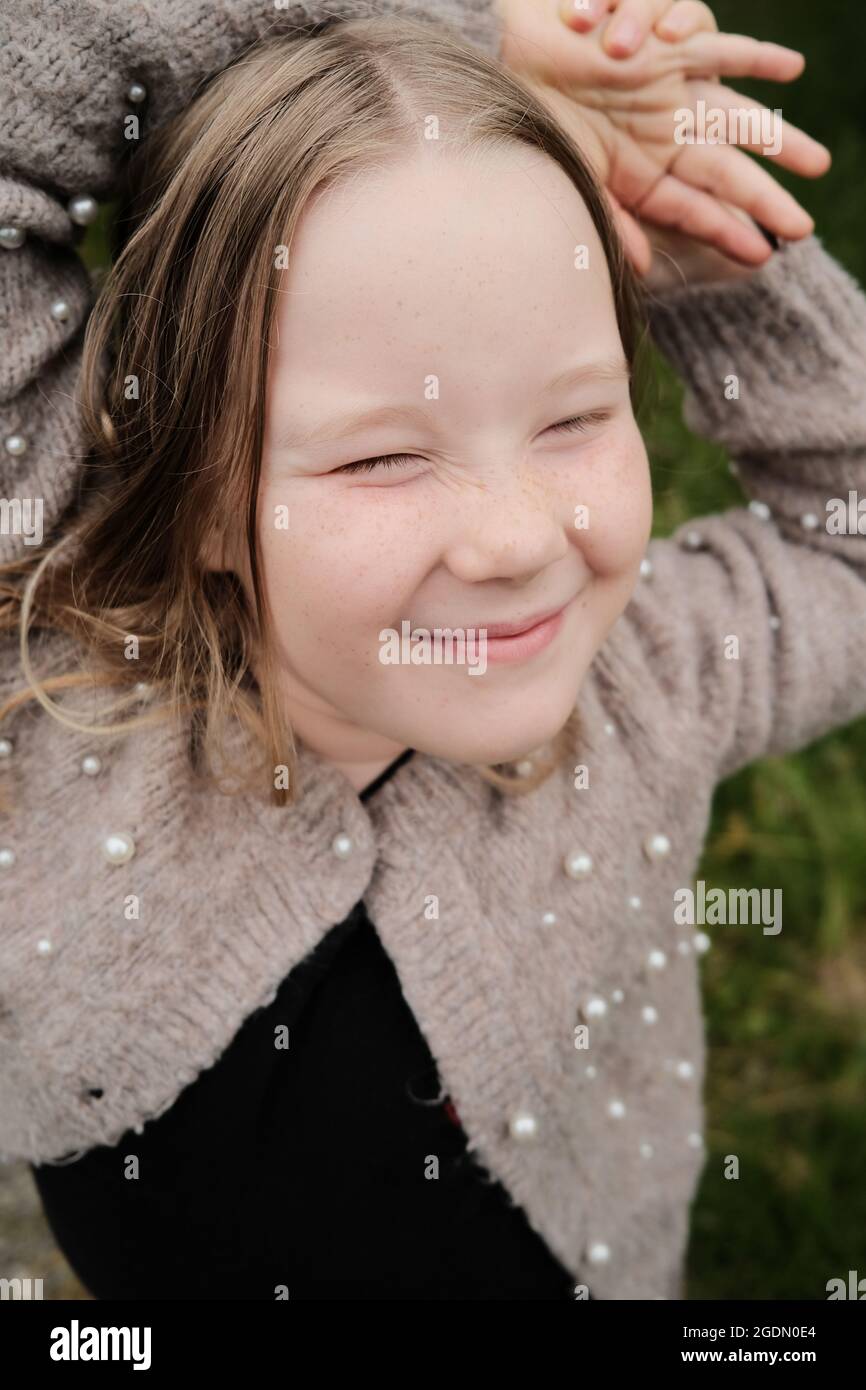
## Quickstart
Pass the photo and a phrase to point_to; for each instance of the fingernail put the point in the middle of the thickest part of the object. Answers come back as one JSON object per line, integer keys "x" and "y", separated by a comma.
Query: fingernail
{"x": 625, "y": 36}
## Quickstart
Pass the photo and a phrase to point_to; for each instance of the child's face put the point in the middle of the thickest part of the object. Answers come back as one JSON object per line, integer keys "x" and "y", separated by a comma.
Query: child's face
{"x": 447, "y": 288}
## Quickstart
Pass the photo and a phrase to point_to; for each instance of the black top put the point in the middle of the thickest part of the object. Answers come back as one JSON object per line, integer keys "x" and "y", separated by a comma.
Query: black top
{"x": 304, "y": 1166}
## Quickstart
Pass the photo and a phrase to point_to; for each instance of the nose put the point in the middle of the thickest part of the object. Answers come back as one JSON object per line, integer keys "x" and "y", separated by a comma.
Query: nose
{"x": 505, "y": 527}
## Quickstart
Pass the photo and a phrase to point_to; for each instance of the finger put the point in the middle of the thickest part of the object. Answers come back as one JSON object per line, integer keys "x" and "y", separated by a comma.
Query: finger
{"x": 672, "y": 203}
{"x": 727, "y": 117}
{"x": 631, "y": 23}
{"x": 583, "y": 15}
{"x": 685, "y": 18}
{"x": 737, "y": 55}
{"x": 742, "y": 182}
{"x": 636, "y": 243}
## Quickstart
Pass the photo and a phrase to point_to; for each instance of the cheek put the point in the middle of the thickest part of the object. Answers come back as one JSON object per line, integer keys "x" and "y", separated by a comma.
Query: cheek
{"x": 616, "y": 491}
{"x": 334, "y": 569}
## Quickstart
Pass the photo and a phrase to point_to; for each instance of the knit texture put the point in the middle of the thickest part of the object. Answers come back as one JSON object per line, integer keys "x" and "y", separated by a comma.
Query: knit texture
{"x": 101, "y": 1033}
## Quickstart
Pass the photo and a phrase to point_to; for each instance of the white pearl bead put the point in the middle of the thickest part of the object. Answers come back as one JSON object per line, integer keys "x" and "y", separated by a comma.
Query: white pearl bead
{"x": 656, "y": 846}
{"x": 11, "y": 238}
{"x": 524, "y": 768}
{"x": 118, "y": 848}
{"x": 775, "y": 621}
{"x": 617, "y": 996}
{"x": 649, "y": 1013}
{"x": 609, "y": 729}
{"x": 138, "y": 1129}
{"x": 60, "y": 310}
{"x": 634, "y": 901}
{"x": 693, "y": 540}
{"x": 136, "y": 92}
{"x": 6, "y": 748}
{"x": 548, "y": 919}
{"x": 342, "y": 845}
{"x": 646, "y": 1150}
{"x": 523, "y": 1126}
{"x": 685, "y": 1070}
{"x": 595, "y": 1008}
{"x": 616, "y": 1108}
{"x": 657, "y": 960}
{"x": 44, "y": 946}
{"x": 141, "y": 688}
{"x": 760, "y": 509}
{"x": 696, "y": 1140}
{"x": 16, "y": 444}
{"x": 809, "y": 521}
{"x": 598, "y": 1253}
{"x": 684, "y": 947}
{"x": 701, "y": 941}
{"x": 578, "y": 865}
{"x": 590, "y": 1071}
{"x": 7, "y": 858}
{"x": 646, "y": 568}
{"x": 83, "y": 209}
{"x": 91, "y": 765}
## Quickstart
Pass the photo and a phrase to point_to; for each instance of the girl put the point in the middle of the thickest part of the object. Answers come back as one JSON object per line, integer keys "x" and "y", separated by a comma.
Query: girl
{"x": 360, "y": 978}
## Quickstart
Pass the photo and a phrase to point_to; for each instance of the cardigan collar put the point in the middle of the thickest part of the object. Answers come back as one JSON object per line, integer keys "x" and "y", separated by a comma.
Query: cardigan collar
{"x": 156, "y": 961}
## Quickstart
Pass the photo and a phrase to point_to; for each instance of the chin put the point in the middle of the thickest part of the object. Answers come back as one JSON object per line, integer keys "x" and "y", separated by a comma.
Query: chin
{"x": 484, "y": 746}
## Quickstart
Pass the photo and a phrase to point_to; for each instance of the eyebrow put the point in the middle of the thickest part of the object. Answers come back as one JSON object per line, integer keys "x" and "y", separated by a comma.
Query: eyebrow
{"x": 605, "y": 369}
{"x": 339, "y": 427}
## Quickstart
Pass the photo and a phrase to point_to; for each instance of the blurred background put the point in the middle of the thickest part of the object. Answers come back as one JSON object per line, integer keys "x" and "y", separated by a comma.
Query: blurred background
{"x": 786, "y": 1014}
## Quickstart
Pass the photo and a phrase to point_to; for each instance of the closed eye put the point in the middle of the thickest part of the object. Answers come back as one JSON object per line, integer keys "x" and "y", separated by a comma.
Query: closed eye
{"x": 581, "y": 422}
{"x": 575, "y": 423}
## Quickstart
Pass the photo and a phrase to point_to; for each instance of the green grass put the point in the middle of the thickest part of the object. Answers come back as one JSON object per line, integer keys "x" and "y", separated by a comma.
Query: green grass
{"x": 786, "y": 1023}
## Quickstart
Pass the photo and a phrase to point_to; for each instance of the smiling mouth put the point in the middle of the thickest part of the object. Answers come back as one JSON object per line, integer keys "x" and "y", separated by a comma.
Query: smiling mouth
{"x": 528, "y": 642}
{"x": 517, "y": 629}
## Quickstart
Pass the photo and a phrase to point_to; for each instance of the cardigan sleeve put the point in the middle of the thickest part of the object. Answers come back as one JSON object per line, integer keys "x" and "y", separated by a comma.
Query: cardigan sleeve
{"x": 72, "y": 73}
{"x": 751, "y": 622}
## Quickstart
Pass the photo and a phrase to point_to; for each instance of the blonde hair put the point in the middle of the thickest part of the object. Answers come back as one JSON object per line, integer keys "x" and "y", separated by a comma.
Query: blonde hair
{"x": 186, "y": 309}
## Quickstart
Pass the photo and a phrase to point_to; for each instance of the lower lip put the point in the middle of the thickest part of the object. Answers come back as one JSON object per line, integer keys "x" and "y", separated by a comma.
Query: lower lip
{"x": 524, "y": 644}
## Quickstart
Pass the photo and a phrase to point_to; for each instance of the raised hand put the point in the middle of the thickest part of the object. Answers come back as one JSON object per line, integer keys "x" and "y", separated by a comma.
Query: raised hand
{"x": 625, "y": 113}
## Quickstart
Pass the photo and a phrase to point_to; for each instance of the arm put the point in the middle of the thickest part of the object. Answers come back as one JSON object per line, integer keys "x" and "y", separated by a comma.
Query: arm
{"x": 793, "y": 594}
{"x": 68, "y": 70}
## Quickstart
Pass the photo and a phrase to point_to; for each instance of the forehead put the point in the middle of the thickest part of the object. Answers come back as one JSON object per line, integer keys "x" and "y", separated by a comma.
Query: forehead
{"x": 442, "y": 262}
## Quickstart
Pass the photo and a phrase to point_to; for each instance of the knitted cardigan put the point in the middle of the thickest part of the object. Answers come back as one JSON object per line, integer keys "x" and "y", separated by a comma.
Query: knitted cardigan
{"x": 552, "y": 910}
